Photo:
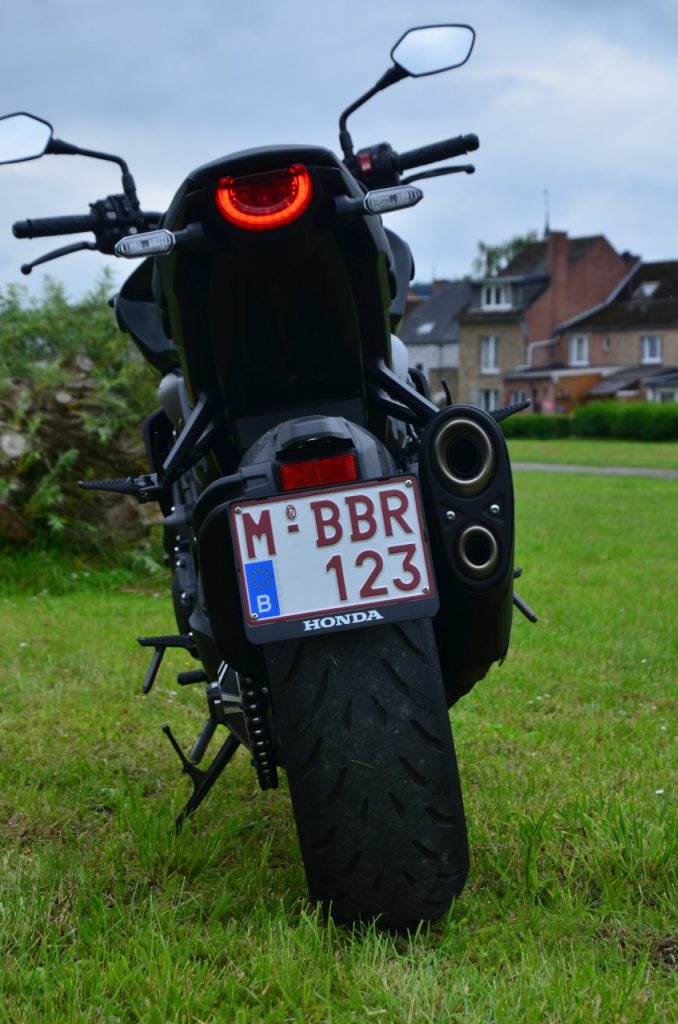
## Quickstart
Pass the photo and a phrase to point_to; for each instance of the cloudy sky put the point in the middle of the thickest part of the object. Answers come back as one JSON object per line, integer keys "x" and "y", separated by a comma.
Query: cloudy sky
{"x": 574, "y": 97}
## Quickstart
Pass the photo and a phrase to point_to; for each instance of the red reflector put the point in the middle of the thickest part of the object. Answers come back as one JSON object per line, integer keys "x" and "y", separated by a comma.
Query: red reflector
{"x": 298, "y": 475}
{"x": 262, "y": 201}
{"x": 365, "y": 161}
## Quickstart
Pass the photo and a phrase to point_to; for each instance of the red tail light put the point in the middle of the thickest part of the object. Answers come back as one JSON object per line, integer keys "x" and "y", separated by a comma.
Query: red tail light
{"x": 262, "y": 201}
{"x": 318, "y": 472}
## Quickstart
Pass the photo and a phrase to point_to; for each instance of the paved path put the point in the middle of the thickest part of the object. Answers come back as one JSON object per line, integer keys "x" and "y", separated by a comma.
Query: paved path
{"x": 553, "y": 467}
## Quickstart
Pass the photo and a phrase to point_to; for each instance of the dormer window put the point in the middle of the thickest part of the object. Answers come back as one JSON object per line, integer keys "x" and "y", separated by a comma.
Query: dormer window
{"x": 495, "y": 296}
{"x": 646, "y": 289}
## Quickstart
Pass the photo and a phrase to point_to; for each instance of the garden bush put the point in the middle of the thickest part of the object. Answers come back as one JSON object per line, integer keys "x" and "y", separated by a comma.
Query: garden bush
{"x": 73, "y": 393}
{"x": 639, "y": 421}
{"x": 536, "y": 425}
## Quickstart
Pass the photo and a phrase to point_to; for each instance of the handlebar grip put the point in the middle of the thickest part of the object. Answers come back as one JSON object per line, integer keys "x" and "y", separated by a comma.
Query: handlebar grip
{"x": 42, "y": 226}
{"x": 436, "y": 151}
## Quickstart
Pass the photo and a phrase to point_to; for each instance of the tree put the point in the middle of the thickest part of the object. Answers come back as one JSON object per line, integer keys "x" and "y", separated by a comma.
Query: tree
{"x": 491, "y": 259}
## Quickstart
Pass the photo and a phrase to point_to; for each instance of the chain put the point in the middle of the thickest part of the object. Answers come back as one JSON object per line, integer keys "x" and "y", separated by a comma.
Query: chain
{"x": 263, "y": 755}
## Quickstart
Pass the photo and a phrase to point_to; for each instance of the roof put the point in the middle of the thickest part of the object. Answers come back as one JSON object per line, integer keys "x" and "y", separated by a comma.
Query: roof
{"x": 629, "y": 378}
{"x": 436, "y": 320}
{"x": 666, "y": 376}
{"x": 533, "y": 259}
{"x": 556, "y": 372}
{"x": 649, "y": 298}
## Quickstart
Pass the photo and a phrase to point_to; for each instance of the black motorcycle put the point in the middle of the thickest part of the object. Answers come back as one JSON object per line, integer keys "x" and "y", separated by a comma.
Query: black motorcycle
{"x": 341, "y": 549}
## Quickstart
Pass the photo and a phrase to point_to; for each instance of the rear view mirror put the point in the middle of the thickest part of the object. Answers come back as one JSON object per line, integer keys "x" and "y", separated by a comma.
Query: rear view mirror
{"x": 433, "y": 48}
{"x": 23, "y": 137}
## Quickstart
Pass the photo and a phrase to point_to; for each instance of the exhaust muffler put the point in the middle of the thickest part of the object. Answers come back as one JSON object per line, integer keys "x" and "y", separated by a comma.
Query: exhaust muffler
{"x": 478, "y": 551}
{"x": 464, "y": 456}
{"x": 467, "y": 489}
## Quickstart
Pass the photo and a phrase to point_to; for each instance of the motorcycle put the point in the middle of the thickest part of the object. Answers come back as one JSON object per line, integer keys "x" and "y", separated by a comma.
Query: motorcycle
{"x": 341, "y": 549}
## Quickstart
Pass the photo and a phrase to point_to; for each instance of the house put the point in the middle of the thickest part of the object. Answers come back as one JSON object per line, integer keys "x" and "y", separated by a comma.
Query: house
{"x": 431, "y": 334}
{"x": 625, "y": 347}
{"x": 663, "y": 387}
{"x": 510, "y": 319}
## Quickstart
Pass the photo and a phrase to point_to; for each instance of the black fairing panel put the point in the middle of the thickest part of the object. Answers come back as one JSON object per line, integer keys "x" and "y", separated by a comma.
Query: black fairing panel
{"x": 139, "y": 316}
{"x": 403, "y": 266}
{"x": 279, "y": 319}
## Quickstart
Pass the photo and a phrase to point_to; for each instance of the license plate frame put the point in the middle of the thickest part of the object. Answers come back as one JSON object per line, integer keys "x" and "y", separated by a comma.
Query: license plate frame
{"x": 332, "y": 558}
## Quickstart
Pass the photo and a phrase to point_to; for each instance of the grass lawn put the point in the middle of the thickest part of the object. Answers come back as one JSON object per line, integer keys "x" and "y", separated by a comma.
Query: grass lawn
{"x": 568, "y": 756}
{"x": 579, "y": 451}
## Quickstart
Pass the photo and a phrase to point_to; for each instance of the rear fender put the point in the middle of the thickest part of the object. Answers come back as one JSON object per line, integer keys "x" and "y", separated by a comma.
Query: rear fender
{"x": 258, "y": 478}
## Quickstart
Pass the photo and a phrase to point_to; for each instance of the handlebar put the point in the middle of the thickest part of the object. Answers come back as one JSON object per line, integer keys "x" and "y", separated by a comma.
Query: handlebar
{"x": 436, "y": 151}
{"x": 43, "y": 226}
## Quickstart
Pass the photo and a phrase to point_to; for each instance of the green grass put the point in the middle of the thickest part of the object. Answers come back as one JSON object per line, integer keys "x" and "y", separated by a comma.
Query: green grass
{"x": 583, "y": 452}
{"x": 568, "y": 759}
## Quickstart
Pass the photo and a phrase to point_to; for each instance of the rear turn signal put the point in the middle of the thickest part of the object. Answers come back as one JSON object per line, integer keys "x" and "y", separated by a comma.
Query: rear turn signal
{"x": 259, "y": 202}
{"x": 318, "y": 472}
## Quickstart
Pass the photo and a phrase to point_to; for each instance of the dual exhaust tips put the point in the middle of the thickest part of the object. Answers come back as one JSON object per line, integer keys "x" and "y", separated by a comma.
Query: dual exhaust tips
{"x": 465, "y": 461}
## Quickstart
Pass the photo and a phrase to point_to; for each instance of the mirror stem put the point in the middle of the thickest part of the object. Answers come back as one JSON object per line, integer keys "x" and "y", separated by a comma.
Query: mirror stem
{"x": 58, "y": 147}
{"x": 390, "y": 77}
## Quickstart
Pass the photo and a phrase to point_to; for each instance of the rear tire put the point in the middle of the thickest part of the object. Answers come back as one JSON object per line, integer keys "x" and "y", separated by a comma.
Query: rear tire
{"x": 365, "y": 738}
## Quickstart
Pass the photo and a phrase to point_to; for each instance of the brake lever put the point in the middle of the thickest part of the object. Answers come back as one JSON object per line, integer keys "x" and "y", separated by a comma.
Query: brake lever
{"x": 438, "y": 172}
{"x": 26, "y": 268}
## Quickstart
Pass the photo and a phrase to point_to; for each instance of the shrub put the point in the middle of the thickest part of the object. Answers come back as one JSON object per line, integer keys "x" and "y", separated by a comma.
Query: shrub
{"x": 73, "y": 394}
{"x": 640, "y": 421}
{"x": 648, "y": 421}
{"x": 597, "y": 419}
{"x": 536, "y": 425}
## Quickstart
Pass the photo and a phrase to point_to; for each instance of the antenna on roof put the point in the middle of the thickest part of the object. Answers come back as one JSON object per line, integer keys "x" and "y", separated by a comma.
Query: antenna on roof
{"x": 547, "y": 226}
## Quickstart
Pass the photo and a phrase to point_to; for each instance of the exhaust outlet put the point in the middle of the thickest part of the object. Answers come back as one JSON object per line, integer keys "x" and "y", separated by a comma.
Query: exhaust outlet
{"x": 478, "y": 551}
{"x": 464, "y": 456}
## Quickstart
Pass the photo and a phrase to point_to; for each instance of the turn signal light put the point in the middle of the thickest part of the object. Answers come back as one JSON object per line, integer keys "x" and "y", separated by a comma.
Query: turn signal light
{"x": 259, "y": 202}
{"x": 318, "y": 472}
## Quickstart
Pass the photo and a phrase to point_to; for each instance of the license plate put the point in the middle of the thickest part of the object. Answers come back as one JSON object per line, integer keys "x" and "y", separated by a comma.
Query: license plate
{"x": 335, "y": 558}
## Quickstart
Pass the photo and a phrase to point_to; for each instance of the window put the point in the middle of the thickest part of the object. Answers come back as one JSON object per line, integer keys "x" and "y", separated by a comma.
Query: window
{"x": 426, "y": 328}
{"x": 496, "y": 296}
{"x": 579, "y": 350}
{"x": 646, "y": 289}
{"x": 516, "y": 397}
{"x": 488, "y": 398}
{"x": 651, "y": 348}
{"x": 489, "y": 354}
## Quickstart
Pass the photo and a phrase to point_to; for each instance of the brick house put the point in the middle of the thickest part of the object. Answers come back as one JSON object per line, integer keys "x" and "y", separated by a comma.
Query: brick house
{"x": 625, "y": 347}
{"x": 510, "y": 318}
{"x": 431, "y": 333}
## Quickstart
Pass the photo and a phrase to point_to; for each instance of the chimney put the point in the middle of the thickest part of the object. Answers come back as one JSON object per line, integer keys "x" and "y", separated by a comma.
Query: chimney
{"x": 439, "y": 283}
{"x": 557, "y": 249}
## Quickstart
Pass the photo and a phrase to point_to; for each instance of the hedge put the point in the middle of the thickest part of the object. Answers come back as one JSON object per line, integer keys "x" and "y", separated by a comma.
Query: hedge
{"x": 639, "y": 421}
{"x": 536, "y": 425}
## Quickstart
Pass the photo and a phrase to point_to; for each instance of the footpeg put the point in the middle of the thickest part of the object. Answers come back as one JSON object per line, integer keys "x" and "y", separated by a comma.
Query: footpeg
{"x": 161, "y": 643}
{"x": 189, "y": 678}
{"x": 144, "y": 488}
